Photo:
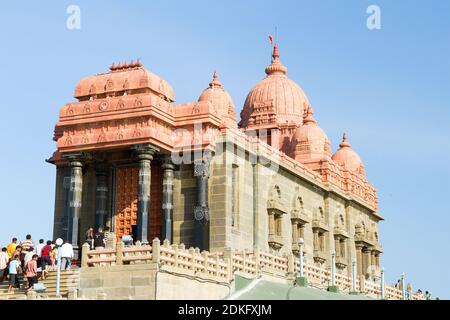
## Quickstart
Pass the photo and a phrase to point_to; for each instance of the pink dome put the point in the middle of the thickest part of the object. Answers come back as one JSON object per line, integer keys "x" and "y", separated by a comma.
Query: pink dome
{"x": 310, "y": 141}
{"x": 275, "y": 99}
{"x": 124, "y": 77}
{"x": 220, "y": 99}
{"x": 348, "y": 158}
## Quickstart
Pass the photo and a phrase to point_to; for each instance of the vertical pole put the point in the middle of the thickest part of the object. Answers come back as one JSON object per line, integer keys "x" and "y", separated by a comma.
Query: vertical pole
{"x": 333, "y": 269}
{"x": 58, "y": 272}
{"x": 167, "y": 205}
{"x": 383, "y": 293}
{"x": 300, "y": 260}
{"x": 354, "y": 275}
{"x": 403, "y": 286}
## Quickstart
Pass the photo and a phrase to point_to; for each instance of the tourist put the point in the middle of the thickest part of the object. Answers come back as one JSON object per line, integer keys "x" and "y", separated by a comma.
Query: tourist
{"x": 427, "y": 295}
{"x": 28, "y": 243}
{"x": 4, "y": 259}
{"x": 66, "y": 255}
{"x": 99, "y": 240}
{"x": 31, "y": 271}
{"x": 39, "y": 247}
{"x": 54, "y": 256}
{"x": 28, "y": 256}
{"x": 39, "y": 251}
{"x": 11, "y": 247}
{"x": 110, "y": 238}
{"x": 45, "y": 258}
{"x": 419, "y": 293}
{"x": 13, "y": 269}
{"x": 90, "y": 238}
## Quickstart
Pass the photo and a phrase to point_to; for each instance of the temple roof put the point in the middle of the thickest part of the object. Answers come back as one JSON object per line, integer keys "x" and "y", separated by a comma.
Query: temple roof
{"x": 130, "y": 77}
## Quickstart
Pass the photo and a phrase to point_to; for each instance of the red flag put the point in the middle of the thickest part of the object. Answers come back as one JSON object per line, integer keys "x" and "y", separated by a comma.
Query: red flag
{"x": 271, "y": 39}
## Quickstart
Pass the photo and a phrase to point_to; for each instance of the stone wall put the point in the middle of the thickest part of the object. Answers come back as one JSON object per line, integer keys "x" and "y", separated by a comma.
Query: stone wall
{"x": 334, "y": 208}
{"x": 118, "y": 282}
{"x": 145, "y": 282}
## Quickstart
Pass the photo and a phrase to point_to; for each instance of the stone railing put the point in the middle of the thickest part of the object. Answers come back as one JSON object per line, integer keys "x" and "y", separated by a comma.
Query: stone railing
{"x": 222, "y": 265}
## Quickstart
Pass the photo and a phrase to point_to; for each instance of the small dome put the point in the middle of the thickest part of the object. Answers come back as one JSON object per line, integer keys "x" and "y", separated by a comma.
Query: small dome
{"x": 311, "y": 142}
{"x": 275, "y": 99}
{"x": 220, "y": 99}
{"x": 124, "y": 77}
{"x": 347, "y": 157}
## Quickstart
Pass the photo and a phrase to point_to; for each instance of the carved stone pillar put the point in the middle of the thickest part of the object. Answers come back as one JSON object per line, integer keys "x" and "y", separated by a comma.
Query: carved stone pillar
{"x": 144, "y": 155}
{"x": 167, "y": 204}
{"x": 337, "y": 247}
{"x": 295, "y": 236}
{"x": 201, "y": 210}
{"x": 373, "y": 259}
{"x": 366, "y": 261}
{"x": 75, "y": 198}
{"x": 316, "y": 239}
{"x": 359, "y": 259}
{"x": 101, "y": 196}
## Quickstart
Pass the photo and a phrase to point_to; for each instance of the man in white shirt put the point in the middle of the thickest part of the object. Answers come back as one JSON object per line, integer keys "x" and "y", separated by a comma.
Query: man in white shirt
{"x": 39, "y": 247}
{"x": 28, "y": 256}
{"x": 66, "y": 255}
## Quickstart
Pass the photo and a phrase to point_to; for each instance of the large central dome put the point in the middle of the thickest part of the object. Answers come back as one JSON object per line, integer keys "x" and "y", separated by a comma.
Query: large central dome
{"x": 274, "y": 100}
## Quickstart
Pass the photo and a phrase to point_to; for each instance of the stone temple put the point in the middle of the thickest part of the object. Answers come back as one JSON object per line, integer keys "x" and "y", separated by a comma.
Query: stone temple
{"x": 130, "y": 158}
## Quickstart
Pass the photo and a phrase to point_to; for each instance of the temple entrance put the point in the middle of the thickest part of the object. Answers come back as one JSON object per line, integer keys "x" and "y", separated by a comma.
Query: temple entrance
{"x": 126, "y": 200}
{"x": 126, "y": 203}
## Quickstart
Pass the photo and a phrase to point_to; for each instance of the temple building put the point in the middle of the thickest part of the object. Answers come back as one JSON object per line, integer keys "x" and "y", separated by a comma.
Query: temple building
{"x": 130, "y": 158}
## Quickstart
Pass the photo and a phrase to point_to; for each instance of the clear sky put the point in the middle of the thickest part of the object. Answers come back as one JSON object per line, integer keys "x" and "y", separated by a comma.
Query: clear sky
{"x": 388, "y": 88}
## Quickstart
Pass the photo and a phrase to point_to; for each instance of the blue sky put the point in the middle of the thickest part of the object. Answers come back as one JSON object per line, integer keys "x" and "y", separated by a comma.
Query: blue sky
{"x": 388, "y": 88}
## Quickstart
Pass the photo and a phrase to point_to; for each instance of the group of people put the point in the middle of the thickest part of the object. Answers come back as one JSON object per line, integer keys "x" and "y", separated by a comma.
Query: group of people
{"x": 27, "y": 259}
{"x": 100, "y": 239}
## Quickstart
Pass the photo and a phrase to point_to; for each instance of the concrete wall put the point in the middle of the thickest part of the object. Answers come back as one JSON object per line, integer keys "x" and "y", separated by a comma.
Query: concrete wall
{"x": 145, "y": 282}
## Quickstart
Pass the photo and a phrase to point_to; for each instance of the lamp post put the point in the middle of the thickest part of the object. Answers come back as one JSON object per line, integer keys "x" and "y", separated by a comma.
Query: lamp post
{"x": 333, "y": 269}
{"x": 403, "y": 286}
{"x": 59, "y": 243}
{"x": 300, "y": 243}
{"x": 302, "y": 281}
{"x": 383, "y": 293}
{"x": 353, "y": 277}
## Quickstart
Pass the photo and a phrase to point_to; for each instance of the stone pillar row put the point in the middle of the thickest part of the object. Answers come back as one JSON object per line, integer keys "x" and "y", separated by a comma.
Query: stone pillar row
{"x": 144, "y": 154}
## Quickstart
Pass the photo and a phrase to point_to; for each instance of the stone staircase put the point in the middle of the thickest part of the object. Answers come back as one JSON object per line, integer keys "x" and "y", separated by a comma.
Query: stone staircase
{"x": 19, "y": 294}
{"x": 69, "y": 281}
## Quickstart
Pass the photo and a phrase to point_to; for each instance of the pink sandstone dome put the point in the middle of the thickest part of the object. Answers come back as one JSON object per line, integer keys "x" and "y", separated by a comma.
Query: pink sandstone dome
{"x": 347, "y": 157}
{"x": 220, "y": 99}
{"x": 275, "y": 99}
{"x": 310, "y": 141}
{"x": 133, "y": 78}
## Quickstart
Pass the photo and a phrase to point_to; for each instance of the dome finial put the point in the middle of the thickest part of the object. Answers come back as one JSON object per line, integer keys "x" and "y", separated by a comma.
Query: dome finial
{"x": 275, "y": 54}
{"x": 308, "y": 116}
{"x": 215, "y": 83}
{"x": 344, "y": 142}
{"x": 276, "y": 67}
